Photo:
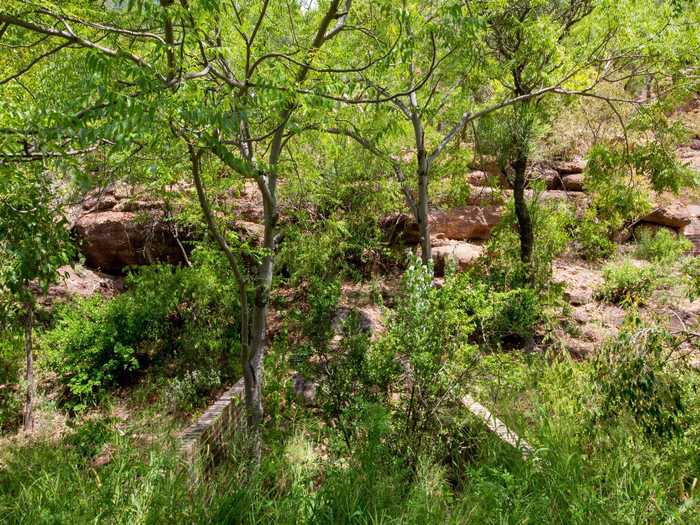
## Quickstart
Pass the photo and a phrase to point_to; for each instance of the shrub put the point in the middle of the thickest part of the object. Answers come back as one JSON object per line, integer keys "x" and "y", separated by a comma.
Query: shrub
{"x": 500, "y": 317}
{"x": 593, "y": 238}
{"x": 11, "y": 353}
{"x": 661, "y": 245}
{"x": 187, "y": 314}
{"x": 501, "y": 264}
{"x": 625, "y": 284}
{"x": 184, "y": 394}
{"x": 634, "y": 377}
{"x": 691, "y": 271}
{"x": 428, "y": 339}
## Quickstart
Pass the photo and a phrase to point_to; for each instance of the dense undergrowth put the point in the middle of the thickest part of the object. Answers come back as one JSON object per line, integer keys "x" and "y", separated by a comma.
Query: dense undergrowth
{"x": 387, "y": 441}
{"x": 585, "y": 470}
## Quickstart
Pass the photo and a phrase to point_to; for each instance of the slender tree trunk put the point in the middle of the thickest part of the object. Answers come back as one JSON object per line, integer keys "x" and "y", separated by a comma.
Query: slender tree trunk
{"x": 253, "y": 365}
{"x": 29, "y": 400}
{"x": 522, "y": 213}
{"x": 423, "y": 219}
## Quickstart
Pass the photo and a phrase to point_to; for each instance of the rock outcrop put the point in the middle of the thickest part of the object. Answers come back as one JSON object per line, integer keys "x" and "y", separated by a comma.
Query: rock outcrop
{"x": 122, "y": 226}
{"x": 115, "y": 231}
{"x": 467, "y": 223}
{"x": 573, "y": 182}
{"x": 462, "y": 253}
{"x": 675, "y": 216}
{"x": 80, "y": 282}
{"x": 457, "y": 224}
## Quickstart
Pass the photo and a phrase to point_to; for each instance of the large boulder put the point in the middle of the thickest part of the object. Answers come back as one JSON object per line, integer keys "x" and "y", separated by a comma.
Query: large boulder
{"x": 676, "y": 216}
{"x": 80, "y": 282}
{"x": 458, "y": 224}
{"x": 497, "y": 196}
{"x": 462, "y": 253}
{"x": 112, "y": 240}
{"x": 569, "y": 167}
{"x": 540, "y": 172}
{"x": 123, "y": 225}
{"x": 463, "y": 224}
{"x": 573, "y": 182}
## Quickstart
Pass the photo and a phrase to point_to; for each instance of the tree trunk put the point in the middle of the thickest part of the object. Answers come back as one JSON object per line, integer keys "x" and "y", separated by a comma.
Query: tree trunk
{"x": 423, "y": 224}
{"x": 29, "y": 401}
{"x": 522, "y": 213}
{"x": 253, "y": 359}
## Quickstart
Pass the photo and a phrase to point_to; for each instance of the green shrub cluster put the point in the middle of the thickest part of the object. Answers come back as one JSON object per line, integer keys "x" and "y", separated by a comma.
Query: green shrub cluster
{"x": 635, "y": 376}
{"x": 661, "y": 245}
{"x": 625, "y": 284}
{"x": 11, "y": 353}
{"x": 501, "y": 265}
{"x": 187, "y": 315}
{"x": 691, "y": 272}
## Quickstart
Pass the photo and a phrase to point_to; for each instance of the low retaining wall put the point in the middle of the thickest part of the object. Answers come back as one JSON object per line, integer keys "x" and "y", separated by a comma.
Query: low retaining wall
{"x": 205, "y": 438}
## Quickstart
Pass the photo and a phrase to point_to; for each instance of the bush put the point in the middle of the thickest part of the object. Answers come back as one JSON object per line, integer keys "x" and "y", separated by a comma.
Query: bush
{"x": 691, "y": 272}
{"x": 634, "y": 377}
{"x": 184, "y": 394}
{"x": 501, "y": 264}
{"x": 186, "y": 314}
{"x": 593, "y": 239}
{"x": 428, "y": 340}
{"x": 500, "y": 317}
{"x": 661, "y": 245}
{"x": 11, "y": 354}
{"x": 625, "y": 284}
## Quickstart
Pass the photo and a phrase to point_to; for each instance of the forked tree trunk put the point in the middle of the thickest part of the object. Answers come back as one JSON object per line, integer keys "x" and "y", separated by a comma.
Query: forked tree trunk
{"x": 28, "y": 419}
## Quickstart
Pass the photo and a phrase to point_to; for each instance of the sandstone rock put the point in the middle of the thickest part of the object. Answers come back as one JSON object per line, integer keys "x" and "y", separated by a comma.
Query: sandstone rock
{"x": 578, "y": 281}
{"x": 569, "y": 167}
{"x": 112, "y": 240}
{"x": 400, "y": 228}
{"x": 692, "y": 233}
{"x": 80, "y": 282}
{"x": 550, "y": 176}
{"x": 457, "y": 224}
{"x": 573, "y": 182}
{"x": 123, "y": 225}
{"x": 495, "y": 196}
{"x": 673, "y": 215}
{"x": 463, "y": 254}
{"x": 477, "y": 178}
{"x": 462, "y": 224}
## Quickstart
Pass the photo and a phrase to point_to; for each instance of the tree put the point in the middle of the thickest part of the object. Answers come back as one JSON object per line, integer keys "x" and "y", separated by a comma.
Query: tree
{"x": 227, "y": 81}
{"x": 589, "y": 50}
{"x": 34, "y": 244}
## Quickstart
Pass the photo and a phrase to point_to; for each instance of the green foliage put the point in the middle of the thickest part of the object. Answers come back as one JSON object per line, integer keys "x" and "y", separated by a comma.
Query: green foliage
{"x": 635, "y": 377}
{"x": 691, "y": 272}
{"x": 661, "y": 245}
{"x": 429, "y": 337}
{"x": 185, "y": 313}
{"x": 184, "y": 394}
{"x": 593, "y": 237}
{"x": 622, "y": 180}
{"x": 500, "y": 318}
{"x": 626, "y": 284}
{"x": 11, "y": 352}
{"x": 501, "y": 264}
{"x": 34, "y": 240}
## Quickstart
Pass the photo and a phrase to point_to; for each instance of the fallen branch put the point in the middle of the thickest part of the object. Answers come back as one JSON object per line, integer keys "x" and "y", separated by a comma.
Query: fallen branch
{"x": 497, "y": 426}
